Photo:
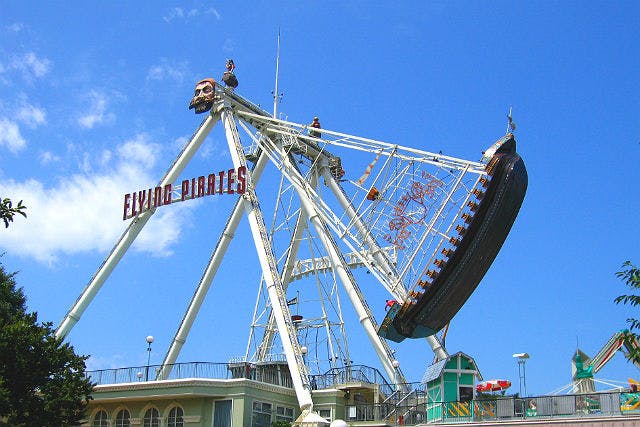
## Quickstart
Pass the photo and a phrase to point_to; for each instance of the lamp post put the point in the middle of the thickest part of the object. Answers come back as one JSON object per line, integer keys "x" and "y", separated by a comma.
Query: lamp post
{"x": 522, "y": 375}
{"x": 395, "y": 365}
{"x": 149, "y": 341}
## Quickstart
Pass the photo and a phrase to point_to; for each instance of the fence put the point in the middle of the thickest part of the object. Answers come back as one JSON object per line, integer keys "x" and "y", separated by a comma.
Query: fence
{"x": 273, "y": 372}
{"x": 408, "y": 405}
{"x": 418, "y": 410}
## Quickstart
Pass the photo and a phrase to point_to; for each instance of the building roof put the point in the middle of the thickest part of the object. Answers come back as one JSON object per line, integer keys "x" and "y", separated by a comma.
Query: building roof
{"x": 435, "y": 371}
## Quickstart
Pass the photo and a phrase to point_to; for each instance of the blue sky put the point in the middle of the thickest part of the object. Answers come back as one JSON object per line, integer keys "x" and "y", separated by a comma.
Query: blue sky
{"x": 93, "y": 104}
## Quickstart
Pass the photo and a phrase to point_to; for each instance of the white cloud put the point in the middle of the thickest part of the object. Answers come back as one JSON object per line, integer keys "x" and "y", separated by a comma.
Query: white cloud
{"x": 31, "y": 116}
{"x": 10, "y": 135}
{"x": 47, "y": 157}
{"x": 213, "y": 12}
{"x": 95, "y": 363}
{"x": 184, "y": 14}
{"x": 83, "y": 213}
{"x": 168, "y": 71}
{"x": 228, "y": 45}
{"x": 105, "y": 157}
{"x": 30, "y": 65}
{"x": 176, "y": 12}
{"x": 139, "y": 151}
{"x": 97, "y": 114}
{"x": 213, "y": 151}
{"x": 16, "y": 27}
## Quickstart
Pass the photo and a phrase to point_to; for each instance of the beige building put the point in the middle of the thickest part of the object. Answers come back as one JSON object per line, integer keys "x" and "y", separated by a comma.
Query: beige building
{"x": 248, "y": 395}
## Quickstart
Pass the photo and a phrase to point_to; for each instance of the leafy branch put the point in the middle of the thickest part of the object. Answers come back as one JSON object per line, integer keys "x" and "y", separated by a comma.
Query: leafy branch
{"x": 8, "y": 211}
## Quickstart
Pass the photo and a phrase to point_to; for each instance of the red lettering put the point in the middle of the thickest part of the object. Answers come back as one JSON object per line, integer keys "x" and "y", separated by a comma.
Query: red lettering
{"x": 157, "y": 197}
{"x": 242, "y": 180}
{"x": 126, "y": 206}
{"x": 167, "y": 194}
{"x": 142, "y": 196}
{"x": 185, "y": 189}
{"x": 211, "y": 184}
{"x": 133, "y": 205}
{"x": 141, "y": 201}
{"x": 200, "y": 186}
{"x": 230, "y": 181}
{"x": 221, "y": 175}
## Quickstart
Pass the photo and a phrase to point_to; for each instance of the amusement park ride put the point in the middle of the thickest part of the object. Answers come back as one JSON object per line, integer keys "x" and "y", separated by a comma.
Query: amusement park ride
{"x": 583, "y": 367}
{"x": 424, "y": 226}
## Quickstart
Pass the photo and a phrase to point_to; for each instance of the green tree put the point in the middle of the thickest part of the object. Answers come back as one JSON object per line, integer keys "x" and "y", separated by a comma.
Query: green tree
{"x": 7, "y": 211}
{"x": 42, "y": 380}
{"x": 630, "y": 275}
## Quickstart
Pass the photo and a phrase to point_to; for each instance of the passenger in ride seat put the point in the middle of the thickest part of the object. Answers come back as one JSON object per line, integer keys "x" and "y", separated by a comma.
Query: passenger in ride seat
{"x": 390, "y": 303}
{"x": 314, "y": 124}
{"x": 230, "y": 79}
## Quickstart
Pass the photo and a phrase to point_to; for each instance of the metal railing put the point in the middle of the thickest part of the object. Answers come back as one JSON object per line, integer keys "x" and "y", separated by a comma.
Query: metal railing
{"x": 418, "y": 410}
{"x": 270, "y": 373}
{"x": 409, "y": 405}
{"x": 353, "y": 373}
{"x": 275, "y": 372}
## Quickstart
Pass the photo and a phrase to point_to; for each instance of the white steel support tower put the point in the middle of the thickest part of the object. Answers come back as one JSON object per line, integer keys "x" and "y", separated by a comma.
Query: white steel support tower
{"x": 353, "y": 217}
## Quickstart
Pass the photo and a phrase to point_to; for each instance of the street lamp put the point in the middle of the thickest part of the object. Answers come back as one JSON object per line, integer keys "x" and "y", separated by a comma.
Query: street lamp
{"x": 149, "y": 341}
{"x": 522, "y": 375}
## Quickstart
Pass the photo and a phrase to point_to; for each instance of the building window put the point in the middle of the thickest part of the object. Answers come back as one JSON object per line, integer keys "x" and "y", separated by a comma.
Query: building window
{"x": 222, "y": 413}
{"x": 261, "y": 416}
{"x": 284, "y": 414}
{"x": 100, "y": 419}
{"x": 325, "y": 413}
{"x": 152, "y": 418}
{"x": 122, "y": 419}
{"x": 175, "y": 417}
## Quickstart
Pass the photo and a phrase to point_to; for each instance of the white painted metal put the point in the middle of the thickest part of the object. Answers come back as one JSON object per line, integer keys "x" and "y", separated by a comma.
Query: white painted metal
{"x": 299, "y": 374}
{"x": 305, "y": 267}
{"x": 132, "y": 231}
{"x": 205, "y": 282}
{"x": 376, "y": 254}
{"x": 340, "y": 268}
{"x": 432, "y": 223}
{"x": 352, "y": 142}
{"x": 437, "y": 347}
{"x": 269, "y": 333}
{"x": 356, "y": 234}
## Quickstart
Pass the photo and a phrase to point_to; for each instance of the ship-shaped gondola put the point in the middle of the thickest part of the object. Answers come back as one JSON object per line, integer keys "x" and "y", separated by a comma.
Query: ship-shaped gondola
{"x": 455, "y": 276}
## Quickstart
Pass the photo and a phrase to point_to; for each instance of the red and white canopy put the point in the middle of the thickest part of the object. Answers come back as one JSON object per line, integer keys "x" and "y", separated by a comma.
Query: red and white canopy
{"x": 493, "y": 385}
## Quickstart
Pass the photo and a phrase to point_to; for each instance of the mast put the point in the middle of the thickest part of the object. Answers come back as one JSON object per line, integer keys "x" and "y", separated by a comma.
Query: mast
{"x": 275, "y": 92}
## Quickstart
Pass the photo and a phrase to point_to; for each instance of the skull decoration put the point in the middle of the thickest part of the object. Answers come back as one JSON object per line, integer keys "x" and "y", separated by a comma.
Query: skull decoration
{"x": 203, "y": 96}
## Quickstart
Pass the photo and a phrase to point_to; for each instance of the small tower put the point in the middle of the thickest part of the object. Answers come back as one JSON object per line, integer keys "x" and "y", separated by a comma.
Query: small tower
{"x": 450, "y": 380}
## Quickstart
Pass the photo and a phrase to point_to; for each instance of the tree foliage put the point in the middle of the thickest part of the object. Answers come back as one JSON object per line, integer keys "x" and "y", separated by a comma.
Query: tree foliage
{"x": 630, "y": 275}
{"x": 42, "y": 381}
{"x": 8, "y": 211}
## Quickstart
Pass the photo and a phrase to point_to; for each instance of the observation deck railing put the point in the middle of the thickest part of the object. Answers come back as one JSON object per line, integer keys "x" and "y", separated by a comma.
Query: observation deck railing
{"x": 272, "y": 372}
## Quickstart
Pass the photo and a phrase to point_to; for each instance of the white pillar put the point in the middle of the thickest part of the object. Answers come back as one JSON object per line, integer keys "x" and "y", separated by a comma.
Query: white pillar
{"x": 132, "y": 231}
{"x": 209, "y": 273}
{"x": 299, "y": 374}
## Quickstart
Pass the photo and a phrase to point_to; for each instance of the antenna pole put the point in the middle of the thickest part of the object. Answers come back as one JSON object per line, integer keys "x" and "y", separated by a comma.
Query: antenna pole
{"x": 511, "y": 126}
{"x": 275, "y": 92}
